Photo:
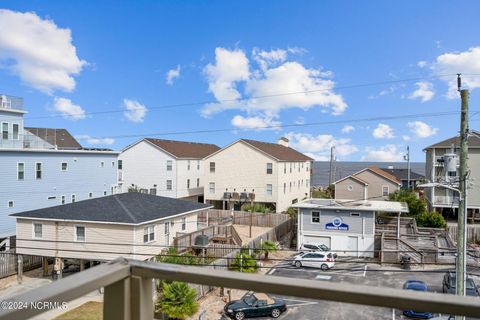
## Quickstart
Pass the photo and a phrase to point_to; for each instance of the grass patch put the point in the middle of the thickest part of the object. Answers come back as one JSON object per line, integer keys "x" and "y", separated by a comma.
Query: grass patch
{"x": 91, "y": 310}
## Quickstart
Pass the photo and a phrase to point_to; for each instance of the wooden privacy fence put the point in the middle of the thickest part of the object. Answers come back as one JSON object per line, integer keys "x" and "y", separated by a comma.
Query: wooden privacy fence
{"x": 214, "y": 216}
{"x": 473, "y": 232}
{"x": 9, "y": 266}
{"x": 185, "y": 242}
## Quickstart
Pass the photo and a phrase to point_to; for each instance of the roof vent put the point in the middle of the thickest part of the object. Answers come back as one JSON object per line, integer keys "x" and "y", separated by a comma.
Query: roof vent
{"x": 283, "y": 142}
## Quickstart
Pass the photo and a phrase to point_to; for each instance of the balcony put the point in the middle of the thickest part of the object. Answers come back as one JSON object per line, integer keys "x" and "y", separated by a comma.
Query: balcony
{"x": 129, "y": 290}
{"x": 11, "y": 103}
{"x": 446, "y": 201}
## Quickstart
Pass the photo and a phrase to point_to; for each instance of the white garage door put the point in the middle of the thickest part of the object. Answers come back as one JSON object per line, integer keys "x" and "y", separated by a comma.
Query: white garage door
{"x": 322, "y": 240}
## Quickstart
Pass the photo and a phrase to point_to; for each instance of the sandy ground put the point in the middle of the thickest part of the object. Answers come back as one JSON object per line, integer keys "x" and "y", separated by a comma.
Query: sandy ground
{"x": 213, "y": 303}
{"x": 244, "y": 232}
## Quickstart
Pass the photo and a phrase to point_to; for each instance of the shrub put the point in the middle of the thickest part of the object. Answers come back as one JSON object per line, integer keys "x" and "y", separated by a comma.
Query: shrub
{"x": 416, "y": 206}
{"x": 256, "y": 207}
{"x": 292, "y": 212}
{"x": 178, "y": 301}
{"x": 268, "y": 246}
{"x": 431, "y": 220}
{"x": 244, "y": 262}
{"x": 172, "y": 256}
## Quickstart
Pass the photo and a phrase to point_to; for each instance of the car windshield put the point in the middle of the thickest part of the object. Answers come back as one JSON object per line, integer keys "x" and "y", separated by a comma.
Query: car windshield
{"x": 470, "y": 285}
{"x": 324, "y": 247}
{"x": 250, "y": 300}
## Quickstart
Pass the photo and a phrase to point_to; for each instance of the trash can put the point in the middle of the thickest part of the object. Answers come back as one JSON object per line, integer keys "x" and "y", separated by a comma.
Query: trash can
{"x": 405, "y": 262}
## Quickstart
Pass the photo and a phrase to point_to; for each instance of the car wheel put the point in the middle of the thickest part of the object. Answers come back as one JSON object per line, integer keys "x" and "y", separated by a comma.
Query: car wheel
{"x": 324, "y": 267}
{"x": 239, "y": 315}
{"x": 276, "y": 313}
{"x": 298, "y": 264}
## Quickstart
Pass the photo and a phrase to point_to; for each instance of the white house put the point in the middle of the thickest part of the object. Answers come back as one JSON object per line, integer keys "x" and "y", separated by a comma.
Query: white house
{"x": 44, "y": 167}
{"x": 131, "y": 225}
{"x": 255, "y": 171}
{"x": 345, "y": 226}
{"x": 164, "y": 167}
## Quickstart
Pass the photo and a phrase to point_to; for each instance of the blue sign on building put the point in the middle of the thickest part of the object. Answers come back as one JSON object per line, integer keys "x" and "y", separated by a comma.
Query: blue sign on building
{"x": 337, "y": 224}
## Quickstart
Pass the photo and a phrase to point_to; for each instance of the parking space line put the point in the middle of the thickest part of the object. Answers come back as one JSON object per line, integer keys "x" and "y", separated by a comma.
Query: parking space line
{"x": 365, "y": 272}
{"x": 393, "y": 314}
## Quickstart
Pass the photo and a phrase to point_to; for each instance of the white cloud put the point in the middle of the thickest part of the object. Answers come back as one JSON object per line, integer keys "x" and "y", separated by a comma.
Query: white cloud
{"x": 134, "y": 110}
{"x": 300, "y": 120}
{"x": 421, "y": 129}
{"x": 422, "y": 64}
{"x": 255, "y": 123}
{"x": 173, "y": 74}
{"x": 383, "y": 131}
{"x": 406, "y": 138}
{"x": 92, "y": 140}
{"x": 231, "y": 72}
{"x": 348, "y": 129}
{"x": 269, "y": 58}
{"x": 385, "y": 153}
{"x": 68, "y": 109}
{"x": 38, "y": 51}
{"x": 318, "y": 147}
{"x": 466, "y": 62}
{"x": 424, "y": 91}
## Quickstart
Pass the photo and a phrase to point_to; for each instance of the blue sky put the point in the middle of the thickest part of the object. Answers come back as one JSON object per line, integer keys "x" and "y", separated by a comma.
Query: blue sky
{"x": 71, "y": 61}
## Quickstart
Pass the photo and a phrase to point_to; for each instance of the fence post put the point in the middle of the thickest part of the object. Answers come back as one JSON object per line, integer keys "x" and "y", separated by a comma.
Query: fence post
{"x": 20, "y": 269}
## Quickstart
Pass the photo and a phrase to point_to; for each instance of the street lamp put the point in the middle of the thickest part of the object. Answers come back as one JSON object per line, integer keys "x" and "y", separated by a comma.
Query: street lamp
{"x": 463, "y": 267}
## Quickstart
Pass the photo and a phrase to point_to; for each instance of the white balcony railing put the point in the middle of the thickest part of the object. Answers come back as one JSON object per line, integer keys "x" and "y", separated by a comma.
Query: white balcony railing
{"x": 10, "y": 102}
{"x": 129, "y": 290}
{"x": 446, "y": 200}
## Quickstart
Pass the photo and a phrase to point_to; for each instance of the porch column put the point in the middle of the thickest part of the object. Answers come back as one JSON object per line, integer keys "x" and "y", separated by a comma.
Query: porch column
{"x": 398, "y": 225}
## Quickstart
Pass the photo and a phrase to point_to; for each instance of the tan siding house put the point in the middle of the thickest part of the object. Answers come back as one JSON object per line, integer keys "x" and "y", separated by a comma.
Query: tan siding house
{"x": 370, "y": 183}
{"x": 130, "y": 225}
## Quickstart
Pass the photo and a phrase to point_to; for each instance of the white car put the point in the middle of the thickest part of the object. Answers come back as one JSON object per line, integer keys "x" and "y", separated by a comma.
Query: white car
{"x": 322, "y": 260}
{"x": 309, "y": 247}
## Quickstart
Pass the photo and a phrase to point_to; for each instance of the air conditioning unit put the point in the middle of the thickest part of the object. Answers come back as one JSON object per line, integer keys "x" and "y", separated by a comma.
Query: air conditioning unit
{"x": 251, "y": 196}
{"x": 227, "y": 195}
{"x": 235, "y": 196}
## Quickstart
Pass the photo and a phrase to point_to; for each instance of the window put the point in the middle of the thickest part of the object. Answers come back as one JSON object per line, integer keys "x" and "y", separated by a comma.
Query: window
{"x": 269, "y": 168}
{"x": 5, "y": 130}
{"x": 38, "y": 171}
{"x": 102, "y": 164}
{"x": 198, "y": 182}
{"x": 315, "y": 217}
{"x": 63, "y": 199}
{"x": 188, "y": 183}
{"x": 37, "y": 230}
{"x": 20, "y": 171}
{"x": 15, "y": 129}
{"x": 184, "y": 223}
{"x": 120, "y": 164}
{"x": 284, "y": 187}
{"x": 269, "y": 189}
{"x": 113, "y": 164}
{"x": 169, "y": 184}
{"x": 169, "y": 165}
{"x": 350, "y": 187}
{"x": 73, "y": 198}
{"x": 385, "y": 191}
{"x": 167, "y": 228}
{"x": 188, "y": 165}
{"x": 148, "y": 234}
{"x": 307, "y": 181}
{"x": 290, "y": 190}
{"x": 354, "y": 214}
{"x": 299, "y": 167}
{"x": 90, "y": 194}
{"x": 290, "y": 167}
{"x": 452, "y": 173}
{"x": 64, "y": 166}
{"x": 52, "y": 198}
{"x": 298, "y": 184}
{"x": 10, "y": 204}
{"x": 198, "y": 164}
{"x": 80, "y": 233}
{"x": 212, "y": 167}
{"x": 211, "y": 187}
{"x": 284, "y": 168}
{"x": 153, "y": 191}
{"x": 104, "y": 193}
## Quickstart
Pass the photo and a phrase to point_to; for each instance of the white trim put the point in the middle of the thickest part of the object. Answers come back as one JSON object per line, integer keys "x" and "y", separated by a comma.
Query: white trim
{"x": 18, "y": 133}
{"x": 119, "y": 223}
{"x": 73, "y": 198}
{"x": 148, "y": 233}
{"x": 61, "y": 166}
{"x": 84, "y": 233}
{"x": 33, "y": 230}
{"x": 311, "y": 216}
{"x": 8, "y": 204}
{"x": 388, "y": 190}
{"x": 41, "y": 171}
{"x": 59, "y": 151}
{"x": 23, "y": 171}
{"x": 64, "y": 199}
{"x": 8, "y": 130}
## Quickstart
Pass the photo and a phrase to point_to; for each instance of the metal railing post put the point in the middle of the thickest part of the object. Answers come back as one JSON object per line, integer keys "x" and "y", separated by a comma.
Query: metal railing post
{"x": 116, "y": 301}
{"x": 141, "y": 298}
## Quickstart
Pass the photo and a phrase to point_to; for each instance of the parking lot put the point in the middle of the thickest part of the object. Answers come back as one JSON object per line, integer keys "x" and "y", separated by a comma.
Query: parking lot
{"x": 354, "y": 272}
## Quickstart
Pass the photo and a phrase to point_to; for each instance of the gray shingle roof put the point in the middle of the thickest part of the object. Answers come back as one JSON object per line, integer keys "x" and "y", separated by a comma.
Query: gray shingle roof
{"x": 473, "y": 141}
{"x": 402, "y": 174}
{"x": 129, "y": 208}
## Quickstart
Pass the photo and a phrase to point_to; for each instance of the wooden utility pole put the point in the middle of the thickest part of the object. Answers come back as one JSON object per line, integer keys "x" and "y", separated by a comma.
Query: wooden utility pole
{"x": 331, "y": 178}
{"x": 462, "y": 205}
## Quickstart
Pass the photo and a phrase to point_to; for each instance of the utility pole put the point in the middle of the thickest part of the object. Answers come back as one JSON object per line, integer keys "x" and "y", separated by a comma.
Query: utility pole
{"x": 407, "y": 157}
{"x": 462, "y": 205}
{"x": 332, "y": 156}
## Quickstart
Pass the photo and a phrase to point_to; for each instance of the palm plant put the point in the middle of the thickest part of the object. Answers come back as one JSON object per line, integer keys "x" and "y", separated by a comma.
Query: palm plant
{"x": 178, "y": 301}
{"x": 268, "y": 246}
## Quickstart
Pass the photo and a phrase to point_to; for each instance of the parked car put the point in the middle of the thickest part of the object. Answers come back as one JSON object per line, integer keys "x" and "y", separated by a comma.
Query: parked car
{"x": 255, "y": 305}
{"x": 417, "y": 286}
{"x": 449, "y": 285}
{"x": 309, "y": 247}
{"x": 317, "y": 259}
